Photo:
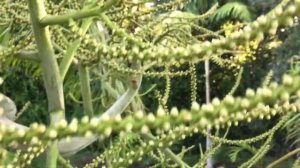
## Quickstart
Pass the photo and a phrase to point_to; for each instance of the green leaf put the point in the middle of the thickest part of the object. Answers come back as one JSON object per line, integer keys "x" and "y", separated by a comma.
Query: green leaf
{"x": 233, "y": 153}
{"x": 233, "y": 10}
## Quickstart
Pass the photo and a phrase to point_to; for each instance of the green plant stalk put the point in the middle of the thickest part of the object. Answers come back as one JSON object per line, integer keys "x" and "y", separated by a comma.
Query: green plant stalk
{"x": 81, "y": 14}
{"x": 52, "y": 151}
{"x": 64, "y": 163}
{"x": 179, "y": 161}
{"x": 86, "y": 90}
{"x": 49, "y": 66}
{"x": 67, "y": 59}
{"x": 209, "y": 153}
{"x": 237, "y": 82}
{"x": 70, "y": 53}
{"x": 260, "y": 153}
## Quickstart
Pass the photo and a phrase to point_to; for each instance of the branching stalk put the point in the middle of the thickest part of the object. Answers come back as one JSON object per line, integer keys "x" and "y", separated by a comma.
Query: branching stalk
{"x": 49, "y": 66}
{"x": 81, "y": 14}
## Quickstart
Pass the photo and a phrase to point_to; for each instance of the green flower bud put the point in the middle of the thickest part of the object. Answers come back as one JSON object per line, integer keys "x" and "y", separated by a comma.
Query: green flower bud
{"x": 285, "y": 96}
{"x": 144, "y": 129}
{"x": 52, "y": 134}
{"x": 250, "y": 93}
{"x": 229, "y": 100}
{"x": 262, "y": 20}
{"x": 174, "y": 112}
{"x": 287, "y": 80}
{"x": 195, "y": 106}
{"x": 245, "y": 103}
{"x": 216, "y": 102}
{"x": 150, "y": 117}
{"x": 139, "y": 114}
{"x": 207, "y": 108}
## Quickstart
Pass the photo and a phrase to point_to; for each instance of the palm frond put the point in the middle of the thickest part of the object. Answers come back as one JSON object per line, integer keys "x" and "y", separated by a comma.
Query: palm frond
{"x": 233, "y": 10}
{"x": 293, "y": 129}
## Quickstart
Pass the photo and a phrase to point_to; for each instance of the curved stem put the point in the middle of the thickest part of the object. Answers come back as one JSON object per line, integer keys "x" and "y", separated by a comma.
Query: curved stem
{"x": 283, "y": 158}
{"x": 81, "y": 14}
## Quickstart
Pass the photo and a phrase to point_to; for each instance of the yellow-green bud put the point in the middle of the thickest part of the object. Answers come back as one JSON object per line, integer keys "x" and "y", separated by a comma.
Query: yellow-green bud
{"x": 287, "y": 80}
{"x": 250, "y": 93}
{"x": 216, "y": 102}
{"x": 174, "y": 112}
{"x": 229, "y": 100}
{"x": 195, "y": 106}
{"x": 245, "y": 103}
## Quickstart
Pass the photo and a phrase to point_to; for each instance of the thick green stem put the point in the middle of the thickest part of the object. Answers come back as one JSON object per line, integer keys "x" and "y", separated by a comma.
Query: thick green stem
{"x": 50, "y": 70}
{"x": 52, "y": 80}
{"x": 81, "y": 14}
{"x": 52, "y": 151}
{"x": 86, "y": 90}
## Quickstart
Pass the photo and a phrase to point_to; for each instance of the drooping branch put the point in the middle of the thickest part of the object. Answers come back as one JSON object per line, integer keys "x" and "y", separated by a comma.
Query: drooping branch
{"x": 281, "y": 15}
{"x": 264, "y": 103}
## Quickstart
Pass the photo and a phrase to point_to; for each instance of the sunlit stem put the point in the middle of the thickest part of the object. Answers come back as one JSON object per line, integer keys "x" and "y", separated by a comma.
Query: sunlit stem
{"x": 50, "y": 70}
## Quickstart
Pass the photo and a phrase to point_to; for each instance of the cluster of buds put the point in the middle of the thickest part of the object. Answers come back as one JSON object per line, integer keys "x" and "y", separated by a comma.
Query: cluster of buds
{"x": 262, "y": 103}
{"x": 26, "y": 158}
{"x": 279, "y": 16}
{"x": 162, "y": 141}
